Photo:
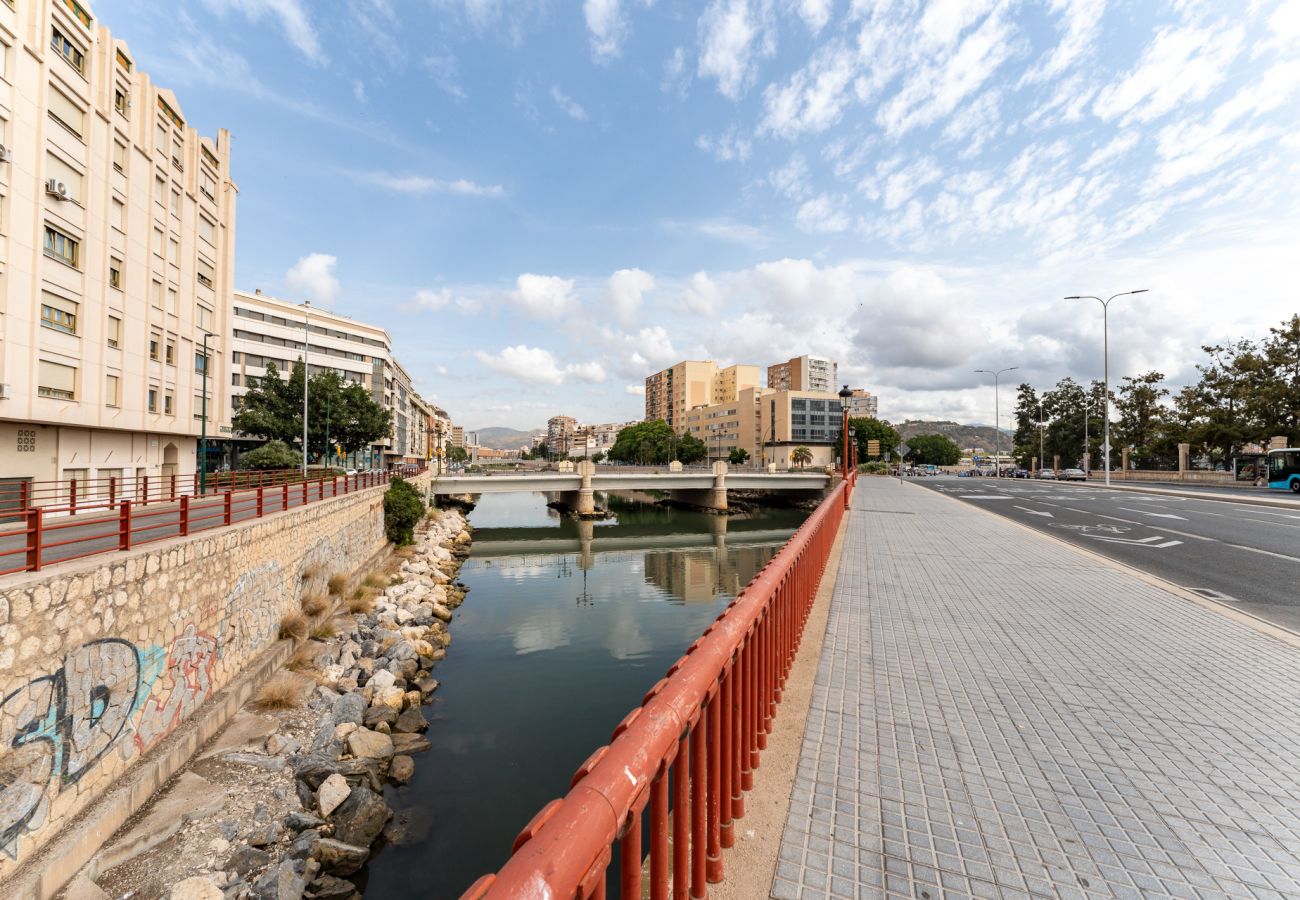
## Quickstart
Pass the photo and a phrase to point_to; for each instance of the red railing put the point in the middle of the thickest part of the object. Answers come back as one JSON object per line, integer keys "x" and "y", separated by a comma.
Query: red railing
{"x": 696, "y": 736}
{"x": 48, "y": 534}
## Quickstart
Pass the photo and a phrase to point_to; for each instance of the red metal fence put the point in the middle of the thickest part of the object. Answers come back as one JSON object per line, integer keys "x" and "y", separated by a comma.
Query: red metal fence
{"x": 48, "y": 533}
{"x": 681, "y": 762}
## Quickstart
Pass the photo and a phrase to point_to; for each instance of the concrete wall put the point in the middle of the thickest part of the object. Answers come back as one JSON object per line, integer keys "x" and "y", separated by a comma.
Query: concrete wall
{"x": 102, "y": 658}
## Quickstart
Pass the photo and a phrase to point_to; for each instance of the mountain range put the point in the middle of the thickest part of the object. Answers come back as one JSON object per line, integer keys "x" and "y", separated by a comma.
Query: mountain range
{"x": 964, "y": 436}
{"x": 509, "y": 438}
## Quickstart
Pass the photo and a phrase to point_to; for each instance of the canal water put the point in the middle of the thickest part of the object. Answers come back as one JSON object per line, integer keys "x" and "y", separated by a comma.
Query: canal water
{"x": 566, "y": 626}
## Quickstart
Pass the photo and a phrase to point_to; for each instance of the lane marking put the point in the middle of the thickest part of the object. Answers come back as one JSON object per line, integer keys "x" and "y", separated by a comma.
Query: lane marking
{"x": 1035, "y": 512}
{"x": 1143, "y": 542}
{"x": 984, "y": 497}
{"x": 1143, "y": 512}
{"x": 1186, "y": 534}
{"x": 1265, "y": 552}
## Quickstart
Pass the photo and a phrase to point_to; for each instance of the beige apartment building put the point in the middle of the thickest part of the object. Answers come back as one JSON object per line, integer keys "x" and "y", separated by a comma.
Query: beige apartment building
{"x": 559, "y": 434}
{"x": 691, "y": 383}
{"x": 804, "y": 373}
{"x": 769, "y": 425}
{"x": 117, "y": 223}
{"x": 863, "y": 405}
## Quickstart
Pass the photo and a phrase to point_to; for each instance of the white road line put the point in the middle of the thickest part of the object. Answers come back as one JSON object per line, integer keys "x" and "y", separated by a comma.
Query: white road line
{"x": 1197, "y": 537}
{"x": 1035, "y": 512}
{"x": 1143, "y": 512}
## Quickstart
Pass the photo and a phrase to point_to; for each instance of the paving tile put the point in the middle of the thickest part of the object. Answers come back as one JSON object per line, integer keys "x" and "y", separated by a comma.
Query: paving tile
{"x": 1005, "y": 717}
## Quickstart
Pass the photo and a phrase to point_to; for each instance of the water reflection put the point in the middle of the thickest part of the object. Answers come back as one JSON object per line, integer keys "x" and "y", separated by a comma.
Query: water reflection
{"x": 566, "y": 626}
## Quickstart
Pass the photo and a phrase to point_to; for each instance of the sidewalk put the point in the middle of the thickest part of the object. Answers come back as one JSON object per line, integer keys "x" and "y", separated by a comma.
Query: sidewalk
{"x": 998, "y": 715}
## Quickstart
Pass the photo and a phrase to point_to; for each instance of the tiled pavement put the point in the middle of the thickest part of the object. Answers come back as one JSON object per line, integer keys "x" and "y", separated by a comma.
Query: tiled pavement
{"x": 996, "y": 715}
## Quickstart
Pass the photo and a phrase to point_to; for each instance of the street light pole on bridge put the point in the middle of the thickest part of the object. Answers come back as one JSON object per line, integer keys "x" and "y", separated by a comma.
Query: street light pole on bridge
{"x": 997, "y": 419}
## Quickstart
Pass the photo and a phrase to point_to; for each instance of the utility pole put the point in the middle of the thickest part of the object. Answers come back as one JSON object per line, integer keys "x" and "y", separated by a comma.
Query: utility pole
{"x": 997, "y": 418}
{"x": 306, "y": 377}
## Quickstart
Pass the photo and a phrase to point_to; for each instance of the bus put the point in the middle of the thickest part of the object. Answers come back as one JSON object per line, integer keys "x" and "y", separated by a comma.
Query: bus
{"x": 1284, "y": 470}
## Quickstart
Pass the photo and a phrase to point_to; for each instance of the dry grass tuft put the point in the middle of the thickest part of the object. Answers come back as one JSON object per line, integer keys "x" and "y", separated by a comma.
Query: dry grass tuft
{"x": 294, "y": 625}
{"x": 338, "y": 584}
{"x": 310, "y": 572}
{"x": 404, "y": 552}
{"x": 375, "y": 580}
{"x": 362, "y": 602}
{"x": 323, "y": 632}
{"x": 314, "y": 602}
{"x": 283, "y": 691}
{"x": 304, "y": 658}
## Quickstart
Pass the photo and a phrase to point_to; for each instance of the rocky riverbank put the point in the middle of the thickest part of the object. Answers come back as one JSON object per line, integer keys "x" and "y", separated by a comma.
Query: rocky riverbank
{"x": 289, "y": 803}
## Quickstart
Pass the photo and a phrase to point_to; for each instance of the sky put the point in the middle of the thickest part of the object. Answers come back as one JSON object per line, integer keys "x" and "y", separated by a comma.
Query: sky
{"x": 544, "y": 202}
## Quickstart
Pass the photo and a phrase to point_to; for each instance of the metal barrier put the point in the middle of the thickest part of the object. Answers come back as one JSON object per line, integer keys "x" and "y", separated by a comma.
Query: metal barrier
{"x": 681, "y": 761}
{"x": 52, "y": 534}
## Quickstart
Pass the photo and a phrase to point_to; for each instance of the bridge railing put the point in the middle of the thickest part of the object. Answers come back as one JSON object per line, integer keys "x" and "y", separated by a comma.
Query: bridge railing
{"x": 682, "y": 761}
{"x": 38, "y": 536}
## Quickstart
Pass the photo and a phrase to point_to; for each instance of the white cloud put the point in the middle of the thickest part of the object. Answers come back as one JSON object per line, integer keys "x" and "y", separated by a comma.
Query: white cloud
{"x": 793, "y": 180}
{"x": 608, "y": 27}
{"x": 359, "y": 91}
{"x": 676, "y": 80}
{"x": 636, "y": 390}
{"x": 568, "y": 105}
{"x": 1116, "y": 148}
{"x": 814, "y": 98}
{"x": 732, "y": 33}
{"x": 626, "y": 287}
{"x": 421, "y": 184}
{"x": 427, "y": 300}
{"x": 291, "y": 15}
{"x": 1080, "y": 23}
{"x": 444, "y": 69}
{"x": 702, "y": 296}
{"x": 731, "y": 145}
{"x": 815, "y": 13}
{"x": 822, "y": 214}
{"x": 544, "y": 296}
{"x": 538, "y": 365}
{"x": 1179, "y": 65}
{"x": 313, "y": 277}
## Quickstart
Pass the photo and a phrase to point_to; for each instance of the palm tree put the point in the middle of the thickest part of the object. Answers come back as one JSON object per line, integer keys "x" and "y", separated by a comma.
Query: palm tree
{"x": 801, "y": 456}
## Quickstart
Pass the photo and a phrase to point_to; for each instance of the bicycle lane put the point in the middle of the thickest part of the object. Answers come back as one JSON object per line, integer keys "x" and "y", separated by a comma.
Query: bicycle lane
{"x": 1233, "y": 556}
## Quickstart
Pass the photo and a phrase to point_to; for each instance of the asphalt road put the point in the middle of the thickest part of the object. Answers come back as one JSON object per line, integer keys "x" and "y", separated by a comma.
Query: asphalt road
{"x": 1236, "y": 553}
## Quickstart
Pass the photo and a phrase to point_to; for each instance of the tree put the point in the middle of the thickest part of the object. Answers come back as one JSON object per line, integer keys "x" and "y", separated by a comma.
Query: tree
{"x": 868, "y": 429}
{"x": 801, "y": 456}
{"x": 403, "y": 509}
{"x": 598, "y": 456}
{"x": 1025, "y": 441}
{"x": 738, "y": 456}
{"x": 457, "y": 455}
{"x": 933, "y": 450}
{"x": 1141, "y": 419}
{"x": 272, "y": 455}
{"x": 272, "y": 408}
{"x": 655, "y": 443}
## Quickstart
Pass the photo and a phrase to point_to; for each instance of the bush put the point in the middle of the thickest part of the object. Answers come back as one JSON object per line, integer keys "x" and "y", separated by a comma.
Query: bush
{"x": 403, "y": 509}
{"x": 271, "y": 455}
{"x": 338, "y": 583}
{"x": 875, "y": 467}
{"x": 283, "y": 691}
{"x": 294, "y": 626}
{"x": 314, "y": 602}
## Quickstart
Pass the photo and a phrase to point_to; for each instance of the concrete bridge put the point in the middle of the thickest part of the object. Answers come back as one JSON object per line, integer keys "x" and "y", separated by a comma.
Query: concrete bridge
{"x": 576, "y": 489}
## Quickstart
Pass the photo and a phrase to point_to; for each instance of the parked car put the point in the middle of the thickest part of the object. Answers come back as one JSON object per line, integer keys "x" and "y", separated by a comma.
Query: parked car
{"x": 1047, "y": 474}
{"x": 1073, "y": 475}
{"x": 1019, "y": 473}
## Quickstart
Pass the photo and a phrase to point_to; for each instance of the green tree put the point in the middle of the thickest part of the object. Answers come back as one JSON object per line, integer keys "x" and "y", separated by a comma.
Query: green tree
{"x": 272, "y": 408}
{"x": 738, "y": 456}
{"x": 655, "y": 443}
{"x": 1140, "y": 423}
{"x": 403, "y": 509}
{"x": 1281, "y": 397}
{"x": 933, "y": 450}
{"x": 801, "y": 456}
{"x": 1025, "y": 440}
{"x": 457, "y": 455}
{"x": 868, "y": 429}
{"x": 271, "y": 455}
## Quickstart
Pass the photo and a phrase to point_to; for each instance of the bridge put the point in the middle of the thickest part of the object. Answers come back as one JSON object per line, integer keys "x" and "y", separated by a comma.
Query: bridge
{"x": 576, "y": 489}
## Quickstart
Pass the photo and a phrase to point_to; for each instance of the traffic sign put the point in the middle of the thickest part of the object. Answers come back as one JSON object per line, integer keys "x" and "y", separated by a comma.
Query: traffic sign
{"x": 873, "y": 447}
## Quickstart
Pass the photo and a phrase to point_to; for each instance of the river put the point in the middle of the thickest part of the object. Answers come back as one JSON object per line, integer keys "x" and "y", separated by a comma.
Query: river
{"x": 566, "y": 626}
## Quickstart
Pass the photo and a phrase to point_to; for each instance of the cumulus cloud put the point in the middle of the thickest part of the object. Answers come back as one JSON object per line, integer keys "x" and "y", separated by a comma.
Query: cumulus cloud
{"x": 733, "y": 34}
{"x": 702, "y": 296}
{"x": 535, "y": 364}
{"x": 427, "y": 300}
{"x": 421, "y": 184}
{"x": 608, "y": 27}
{"x": 822, "y": 214}
{"x": 312, "y": 277}
{"x": 731, "y": 145}
{"x": 544, "y": 296}
{"x": 626, "y": 288}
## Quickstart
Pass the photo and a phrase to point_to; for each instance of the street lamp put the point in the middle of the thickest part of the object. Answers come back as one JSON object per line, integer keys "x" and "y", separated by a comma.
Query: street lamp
{"x": 1040, "y": 437}
{"x": 203, "y": 440}
{"x": 845, "y": 396}
{"x": 306, "y": 377}
{"x": 997, "y": 417}
{"x": 1105, "y": 342}
{"x": 1087, "y": 457}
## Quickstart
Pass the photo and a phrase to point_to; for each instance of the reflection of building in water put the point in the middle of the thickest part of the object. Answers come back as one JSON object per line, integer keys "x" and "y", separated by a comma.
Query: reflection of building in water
{"x": 701, "y": 575}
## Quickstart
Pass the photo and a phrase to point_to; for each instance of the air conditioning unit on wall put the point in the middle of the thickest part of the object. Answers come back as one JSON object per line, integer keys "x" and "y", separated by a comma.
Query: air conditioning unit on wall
{"x": 5, "y": 155}
{"x": 56, "y": 188}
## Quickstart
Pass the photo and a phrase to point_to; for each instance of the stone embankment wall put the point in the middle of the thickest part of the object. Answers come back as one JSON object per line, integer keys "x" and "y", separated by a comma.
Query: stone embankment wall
{"x": 102, "y": 658}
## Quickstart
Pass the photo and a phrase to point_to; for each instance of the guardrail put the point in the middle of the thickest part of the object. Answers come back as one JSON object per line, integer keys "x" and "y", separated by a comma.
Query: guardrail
{"x": 49, "y": 534}
{"x": 683, "y": 759}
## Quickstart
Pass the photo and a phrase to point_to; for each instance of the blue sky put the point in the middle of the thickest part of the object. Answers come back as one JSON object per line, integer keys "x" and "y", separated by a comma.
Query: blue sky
{"x": 545, "y": 201}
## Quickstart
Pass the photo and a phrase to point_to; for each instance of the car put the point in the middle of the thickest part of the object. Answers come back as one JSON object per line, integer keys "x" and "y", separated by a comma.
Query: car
{"x": 1073, "y": 475}
{"x": 350, "y": 472}
{"x": 965, "y": 473}
{"x": 1019, "y": 473}
{"x": 1047, "y": 474}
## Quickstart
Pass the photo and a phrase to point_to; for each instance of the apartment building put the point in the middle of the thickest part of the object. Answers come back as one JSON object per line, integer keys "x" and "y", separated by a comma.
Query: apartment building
{"x": 457, "y": 434}
{"x": 559, "y": 434}
{"x": 117, "y": 224}
{"x": 691, "y": 383}
{"x": 769, "y": 424}
{"x": 863, "y": 405}
{"x": 804, "y": 373}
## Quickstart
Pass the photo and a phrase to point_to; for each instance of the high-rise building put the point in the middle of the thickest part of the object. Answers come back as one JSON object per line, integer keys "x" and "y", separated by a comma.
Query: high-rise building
{"x": 804, "y": 373}
{"x": 863, "y": 405}
{"x": 691, "y": 383}
{"x": 118, "y": 244}
{"x": 559, "y": 434}
{"x": 769, "y": 425}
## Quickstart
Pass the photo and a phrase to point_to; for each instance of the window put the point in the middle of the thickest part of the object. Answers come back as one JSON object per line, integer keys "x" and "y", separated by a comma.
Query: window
{"x": 154, "y": 345}
{"x": 110, "y": 390}
{"x": 155, "y": 294}
{"x": 203, "y": 317}
{"x": 199, "y": 406}
{"x": 120, "y": 103}
{"x": 57, "y": 170}
{"x": 208, "y": 230}
{"x": 162, "y": 137}
{"x": 68, "y": 50}
{"x": 114, "y": 331}
{"x": 199, "y": 362}
{"x": 205, "y": 273}
{"x": 168, "y": 403}
{"x": 175, "y": 257}
{"x": 119, "y": 157}
{"x": 117, "y": 215}
{"x": 176, "y": 203}
{"x": 115, "y": 273}
{"x": 176, "y": 155}
{"x": 234, "y": 380}
{"x": 64, "y": 111}
{"x": 171, "y": 300}
{"x": 158, "y": 242}
{"x": 160, "y": 190}
{"x": 208, "y": 185}
{"x": 153, "y": 400}
{"x": 59, "y": 314}
{"x": 171, "y": 353}
{"x": 236, "y": 356}
{"x": 56, "y": 381}
{"x": 61, "y": 247}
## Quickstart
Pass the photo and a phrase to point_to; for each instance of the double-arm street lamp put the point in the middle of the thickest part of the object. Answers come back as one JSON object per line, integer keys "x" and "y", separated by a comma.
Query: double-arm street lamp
{"x": 845, "y": 396}
{"x": 1040, "y": 437}
{"x": 1105, "y": 343}
{"x": 997, "y": 416}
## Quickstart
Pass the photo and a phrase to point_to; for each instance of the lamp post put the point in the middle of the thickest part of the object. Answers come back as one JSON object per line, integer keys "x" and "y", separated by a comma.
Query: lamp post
{"x": 853, "y": 448}
{"x": 1087, "y": 457}
{"x": 1040, "y": 437}
{"x": 306, "y": 377}
{"x": 997, "y": 417}
{"x": 203, "y": 440}
{"x": 845, "y": 395}
{"x": 1105, "y": 343}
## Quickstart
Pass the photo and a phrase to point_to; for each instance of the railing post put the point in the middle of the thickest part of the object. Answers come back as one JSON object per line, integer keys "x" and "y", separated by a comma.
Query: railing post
{"x": 260, "y": 501}
{"x": 185, "y": 515}
{"x": 72, "y": 496}
{"x": 144, "y": 486}
{"x": 305, "y": 499}
{"x": 112, "y": 490}
{"x": 24, "y": 496}
{"x": 284, "y": 490}
{"x": 334, "y": 486}
{"x": 172, "y": 486}
{"x": 35, "y": 535}
{"x": 229, "y": 506}
{"x": 124, "y": 526}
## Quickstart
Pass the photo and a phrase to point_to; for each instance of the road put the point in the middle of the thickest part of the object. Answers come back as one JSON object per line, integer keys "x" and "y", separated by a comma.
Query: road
{"x": 1236, "y": 553}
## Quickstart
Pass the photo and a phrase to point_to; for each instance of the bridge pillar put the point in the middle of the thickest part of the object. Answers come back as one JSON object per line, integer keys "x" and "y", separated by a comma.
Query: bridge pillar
{"x": 711, "y": 498}
{"x": 586, "y": 496}
{"x": 586, "y": 532}
{"x": 1184, "y": 460}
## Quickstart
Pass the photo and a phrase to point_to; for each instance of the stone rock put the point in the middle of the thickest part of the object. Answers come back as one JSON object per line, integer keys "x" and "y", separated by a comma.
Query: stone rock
{"x": 348, "y": 708}
{"x": 409, "y": 743}
{"x": 402, "y": 650}
{"x": 366, "y": 744}
{"x": 328, "y": 887}
{"x": 301, "y": 821}
{"x": 410, "y": 826}
{"x": 262, "y": 835}
{"x": 441, "y": 612}
{"x": 197, "y": 888}
{"x": 342, "y": 731}
{"x": 377, "y": 714}
{"x": 411, "y": 721}
{"x": 247, "y": 859}
{"x": 282, "y": 744}
{"x": 360, "y": 818}
{"x": 463, "y": 538}
{"x": 333, "y": 791}
{"x": 427, "y": 686}
{"x": 304, "y": 845}
{"x": 402, "y": 769}
{"x": 287, "y": 881}
{"x": 390, "y": 696}
{"x": 338, "y": 857}
{"x": 257, "y": 760}
{"x": 380, "y": 680}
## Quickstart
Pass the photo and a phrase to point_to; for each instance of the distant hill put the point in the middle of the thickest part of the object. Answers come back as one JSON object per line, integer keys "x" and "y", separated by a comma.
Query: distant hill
{"x": 964, "y": 436}
{"x": 508, "y": 438}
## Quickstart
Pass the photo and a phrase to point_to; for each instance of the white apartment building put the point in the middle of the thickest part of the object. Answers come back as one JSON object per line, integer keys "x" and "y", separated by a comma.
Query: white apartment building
{"x": 265, "y": 329}
{"x": 117, "y": 224}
